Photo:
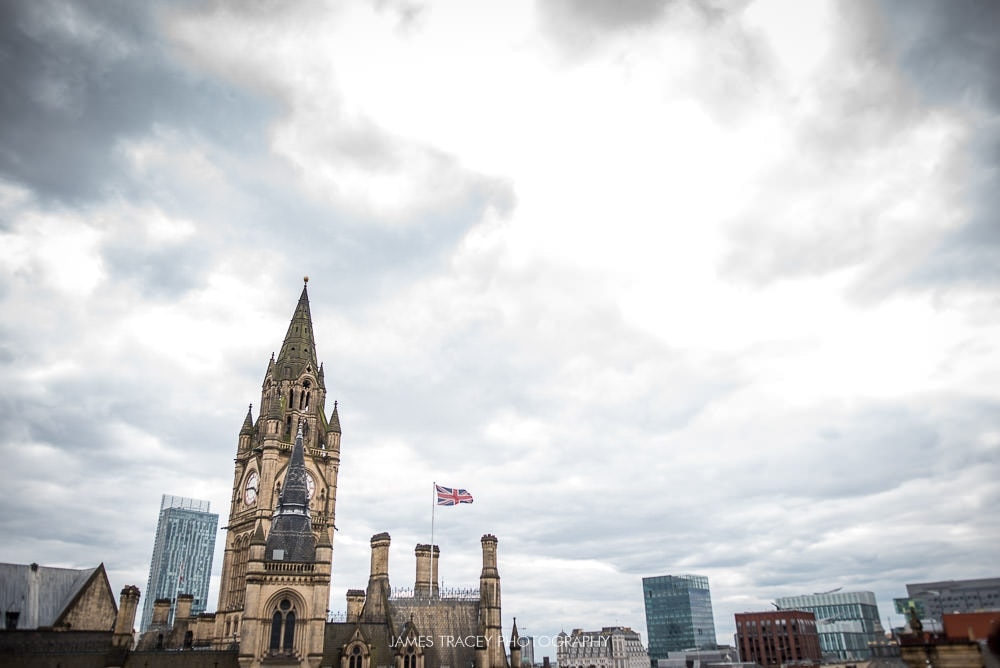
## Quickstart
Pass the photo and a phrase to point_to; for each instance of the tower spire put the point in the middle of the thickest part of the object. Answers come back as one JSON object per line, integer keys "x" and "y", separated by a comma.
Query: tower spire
{"x": 291, "y": 537}
{"x": 298, "y": 350}
{"x": 247, "y": 428}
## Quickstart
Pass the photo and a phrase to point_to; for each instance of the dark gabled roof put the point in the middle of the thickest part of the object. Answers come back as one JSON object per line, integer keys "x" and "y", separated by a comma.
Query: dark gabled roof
{"x": 99, "y": 578}
{"x": 450, "y": 622}
{"x": 376, "y": 635}
{"x": 56, "y": 590}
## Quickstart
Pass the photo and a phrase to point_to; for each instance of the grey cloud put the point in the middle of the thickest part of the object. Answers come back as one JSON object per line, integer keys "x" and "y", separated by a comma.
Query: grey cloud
{"x": 605, "y": 14}
{"x": 580, "y": 27}
{"x": 950, "y": 50}
{"x": 951, "y": 54}
{"x": 81, "y": 77}
{"x": 160, "y": 271}
{"x": 944, "y": 58}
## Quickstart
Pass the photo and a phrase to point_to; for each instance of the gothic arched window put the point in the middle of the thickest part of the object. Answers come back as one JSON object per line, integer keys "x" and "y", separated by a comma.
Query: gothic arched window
{"x": 409, "y": 659}
{"x": 356, "y": 660}
{"x": 283, "y": 628}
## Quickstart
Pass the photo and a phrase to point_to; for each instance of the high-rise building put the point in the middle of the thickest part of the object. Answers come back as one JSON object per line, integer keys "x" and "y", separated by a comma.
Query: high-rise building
{"x": 182, "y": 554}
{"x": 934, "y": 599}
{"x": 678, "y": 614}
{"x": 846, "y": 621}
{"x": 527, "y": 645}
{"x": 778, "y": 637}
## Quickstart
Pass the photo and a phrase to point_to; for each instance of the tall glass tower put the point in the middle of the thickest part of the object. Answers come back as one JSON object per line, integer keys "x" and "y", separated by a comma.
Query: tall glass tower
{"x": 182, "y": 554}
{"x": 845, "y": 620}
{"x": 678, "y": 614}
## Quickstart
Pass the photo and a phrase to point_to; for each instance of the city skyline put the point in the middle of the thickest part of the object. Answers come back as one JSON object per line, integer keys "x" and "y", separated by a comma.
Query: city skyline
{"x": 692, "y": 286}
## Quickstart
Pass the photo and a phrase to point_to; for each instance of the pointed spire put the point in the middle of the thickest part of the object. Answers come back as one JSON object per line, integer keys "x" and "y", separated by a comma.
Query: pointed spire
{"x": 298, "y": 350}
{"x": 258, "y": 535}
{"x": 334, "y": 424}
{"x": 515, "y": 642}
{"x": 291, "y": 537}
{"x": 248, "y": 422}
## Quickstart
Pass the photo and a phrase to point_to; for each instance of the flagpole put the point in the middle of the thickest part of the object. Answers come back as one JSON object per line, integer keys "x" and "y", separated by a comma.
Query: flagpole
{"x": 433, "y": 506}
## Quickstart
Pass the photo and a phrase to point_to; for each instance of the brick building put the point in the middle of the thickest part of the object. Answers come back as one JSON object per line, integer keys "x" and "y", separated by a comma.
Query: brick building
{"x": 779, "y": 637}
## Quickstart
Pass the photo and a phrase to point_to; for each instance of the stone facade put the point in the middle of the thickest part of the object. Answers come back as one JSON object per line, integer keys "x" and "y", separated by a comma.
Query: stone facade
{"x": 611, "y": 647}
{"x": 255, "y": 585}
{"x": 424, "y": 628}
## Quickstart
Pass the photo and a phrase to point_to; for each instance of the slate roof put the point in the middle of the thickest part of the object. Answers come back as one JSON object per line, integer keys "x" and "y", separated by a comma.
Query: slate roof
{"x": 41, "y": 594}
{"x": 291, "y": 528}
{"x": 453, "y": 625}
{"x": 450, "y": 624}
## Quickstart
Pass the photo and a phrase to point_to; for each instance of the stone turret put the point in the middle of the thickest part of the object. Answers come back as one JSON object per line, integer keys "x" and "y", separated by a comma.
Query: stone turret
{"x": 426, "y": 584}
{"x": 377, "y": 596}
{"x": 183, "y": 609}
{"x": 128, "y": 604}
{"x": 355, "y": 603}
{"x": 161, "y": 613}
{"x": 489, "y": 604}
{"x": 246, "y": 431}
{"x": 515, "y": 646}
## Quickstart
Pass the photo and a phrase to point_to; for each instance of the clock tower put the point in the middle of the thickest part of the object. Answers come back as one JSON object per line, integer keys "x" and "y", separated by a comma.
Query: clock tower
{"x": 292, "y": 445}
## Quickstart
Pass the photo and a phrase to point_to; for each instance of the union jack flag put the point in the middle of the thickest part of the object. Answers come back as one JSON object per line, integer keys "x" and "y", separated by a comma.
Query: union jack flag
{"x": 448, "y": 496}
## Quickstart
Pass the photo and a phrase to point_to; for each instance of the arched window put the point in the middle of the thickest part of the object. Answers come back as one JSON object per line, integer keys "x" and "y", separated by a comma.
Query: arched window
{"x": 409, "y": 659}
{"x": 276, "y": 620}
{"x": 289, "y": 641}
{"x": 356, "y": 659}
{"x": 283, "y": 628}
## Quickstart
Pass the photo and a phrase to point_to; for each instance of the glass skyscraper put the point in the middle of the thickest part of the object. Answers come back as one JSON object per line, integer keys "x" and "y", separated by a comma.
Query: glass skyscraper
{"x": 678, "y": 614}
{"x": 846, "y": 621}
{"x": 182, "y": 554}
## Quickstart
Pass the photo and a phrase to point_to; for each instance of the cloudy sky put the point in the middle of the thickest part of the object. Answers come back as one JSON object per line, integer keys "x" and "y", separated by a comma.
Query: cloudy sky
{"x": 685, "y": 286}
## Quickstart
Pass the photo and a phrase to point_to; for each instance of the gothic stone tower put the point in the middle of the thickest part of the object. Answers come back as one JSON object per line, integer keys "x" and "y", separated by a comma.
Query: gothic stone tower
{"x": 288, "y": 580}
{"x": 292, "y": 403}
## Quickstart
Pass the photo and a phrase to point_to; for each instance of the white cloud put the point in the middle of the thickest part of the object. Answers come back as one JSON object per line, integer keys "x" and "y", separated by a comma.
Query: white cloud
{"x": 641, "y": 283}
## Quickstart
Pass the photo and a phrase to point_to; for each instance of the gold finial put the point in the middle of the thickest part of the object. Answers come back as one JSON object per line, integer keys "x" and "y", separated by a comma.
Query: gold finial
{"x": 305, "y": 279}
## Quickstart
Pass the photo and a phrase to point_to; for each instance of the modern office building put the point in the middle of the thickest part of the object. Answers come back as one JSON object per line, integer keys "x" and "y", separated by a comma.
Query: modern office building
{"x": 845, "y": 621}
{"x": 182, "y": 554}
{"x": 778, "y": 637}
{"x": 611, "y": 647}
{"x": 678, "y": 614}
{"x": 934, "y": 599}
{"x": 527, "y": 645}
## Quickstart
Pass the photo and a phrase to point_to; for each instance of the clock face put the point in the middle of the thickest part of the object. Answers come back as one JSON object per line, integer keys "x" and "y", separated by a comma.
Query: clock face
{"x": 250, "y": 490}
{"x": 310, "y": 485}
